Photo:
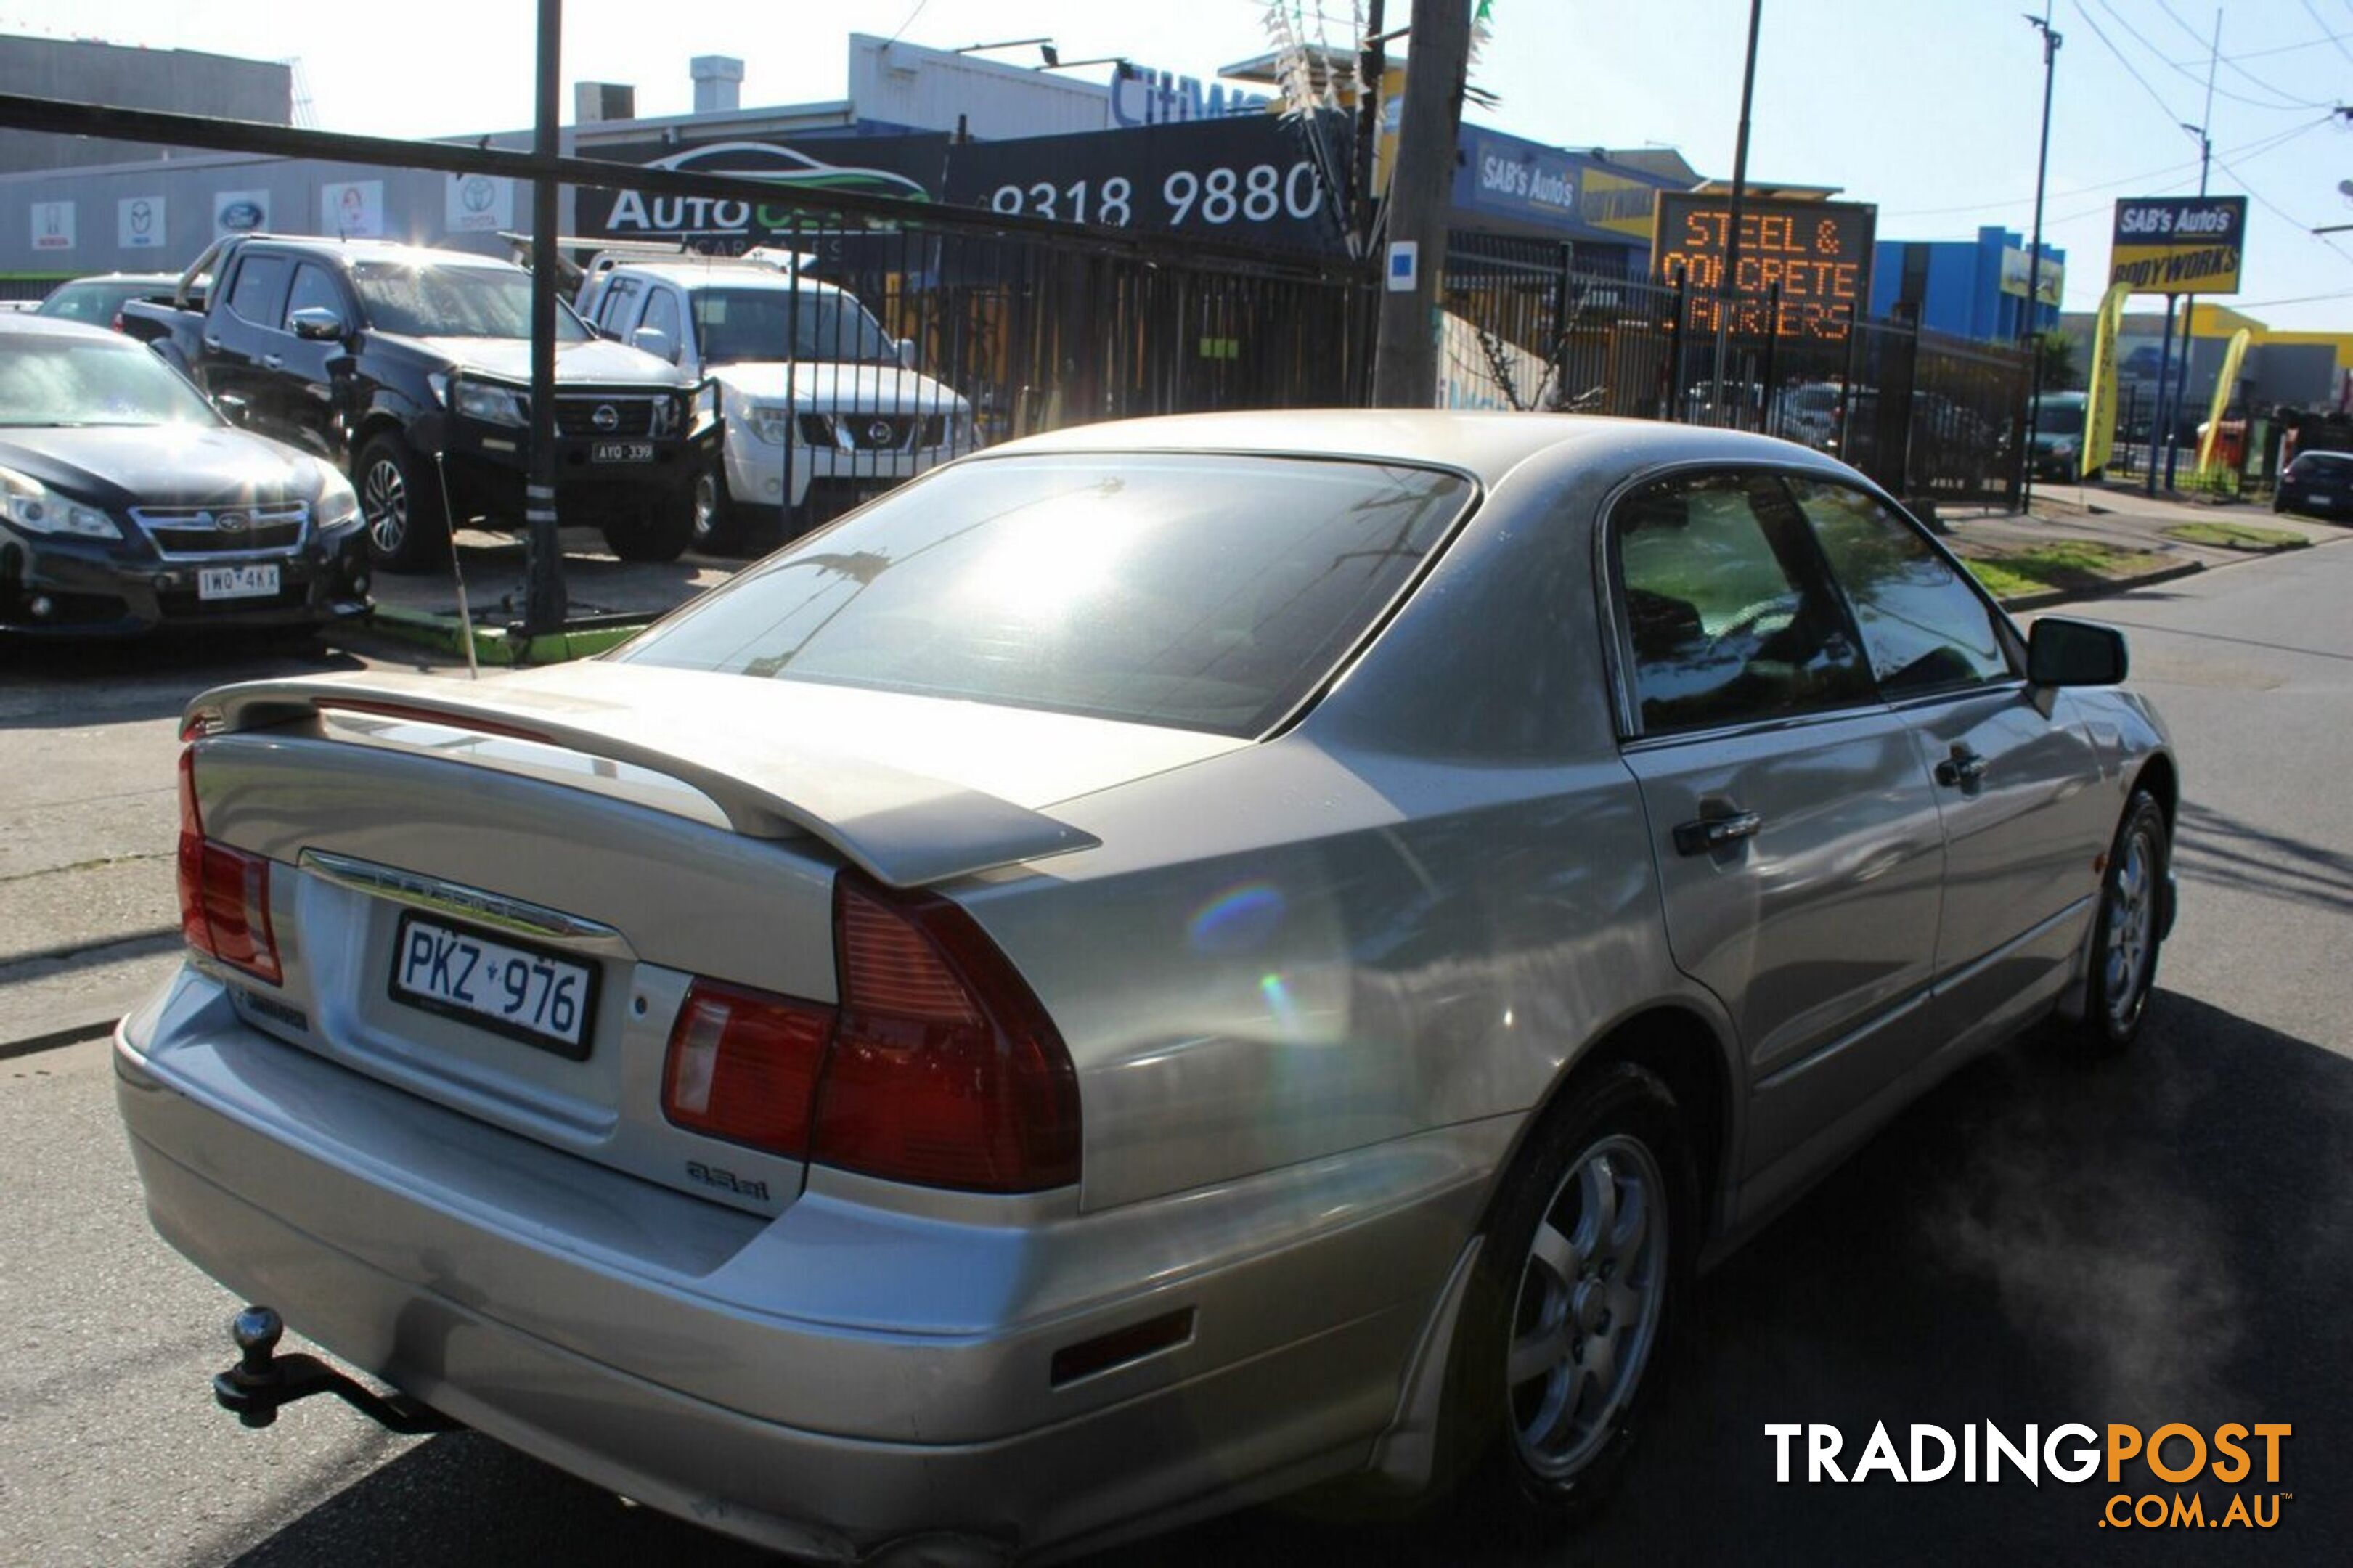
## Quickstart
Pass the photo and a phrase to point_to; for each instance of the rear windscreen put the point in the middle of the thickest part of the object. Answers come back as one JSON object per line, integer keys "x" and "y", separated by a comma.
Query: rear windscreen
{"x": 2322, "y": 466}
{"x": 1199, "y": 591}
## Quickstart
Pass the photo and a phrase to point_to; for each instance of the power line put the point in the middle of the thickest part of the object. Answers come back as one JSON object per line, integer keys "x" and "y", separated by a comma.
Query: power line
{"x": 2259, "y": 147}
{"x": 2244, "y": 183}
{"x": 2175, "y": 16}
{"x": 2325, "y": 33}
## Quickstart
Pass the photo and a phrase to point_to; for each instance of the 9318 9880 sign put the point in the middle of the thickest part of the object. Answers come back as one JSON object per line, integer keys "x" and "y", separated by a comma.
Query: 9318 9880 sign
{"x": 1218, "y": 196}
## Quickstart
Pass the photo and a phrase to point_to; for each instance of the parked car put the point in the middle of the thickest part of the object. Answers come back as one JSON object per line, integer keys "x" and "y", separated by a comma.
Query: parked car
{"x": 1809, "y": 413}
{"x": 1150, "y": 965}
{"x": 127, "y": 502}
{"x": 2058, "y": 425}
{"x": 411, "y": 369}
{"x": 814, "y": 397}
{"x": 2316, "y": 484}
{"x": 99, "y": 300}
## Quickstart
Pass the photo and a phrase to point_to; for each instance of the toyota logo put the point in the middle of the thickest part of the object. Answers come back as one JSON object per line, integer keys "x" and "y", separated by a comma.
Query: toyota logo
{"x": 229, "y": 521}
{"x": 878, "y": 433}
{"x": 607, "y": 416}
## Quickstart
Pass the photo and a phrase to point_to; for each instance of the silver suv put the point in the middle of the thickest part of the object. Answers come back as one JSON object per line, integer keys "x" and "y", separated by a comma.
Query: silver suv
{"x": 820, "y": 405}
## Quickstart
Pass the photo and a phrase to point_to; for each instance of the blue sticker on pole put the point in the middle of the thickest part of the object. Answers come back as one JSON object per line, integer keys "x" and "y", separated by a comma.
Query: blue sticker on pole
{"x": 1405, "y": 265}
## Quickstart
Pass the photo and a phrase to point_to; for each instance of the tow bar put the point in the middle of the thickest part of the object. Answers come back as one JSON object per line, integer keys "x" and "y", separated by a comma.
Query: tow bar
{"x": 262, "y": 1380}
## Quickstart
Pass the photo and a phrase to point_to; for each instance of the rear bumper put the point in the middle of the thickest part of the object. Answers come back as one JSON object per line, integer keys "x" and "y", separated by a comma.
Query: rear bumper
{"x": 786, "y": 1381}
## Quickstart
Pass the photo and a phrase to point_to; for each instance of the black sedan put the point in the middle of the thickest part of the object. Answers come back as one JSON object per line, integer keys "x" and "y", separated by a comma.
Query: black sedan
{"x": 2317, "y": 484}
{"x": 127, "y": 503}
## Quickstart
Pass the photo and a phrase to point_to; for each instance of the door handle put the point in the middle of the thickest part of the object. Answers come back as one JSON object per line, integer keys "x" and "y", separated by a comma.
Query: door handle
{"x": 272, "y": 361}
{"x": 1963, "y": 770}
{"x": 212, "y": 339}
{"x": 1712, "y": 833}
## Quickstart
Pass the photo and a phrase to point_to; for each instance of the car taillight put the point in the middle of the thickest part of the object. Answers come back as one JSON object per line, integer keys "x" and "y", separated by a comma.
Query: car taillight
{"x": 742, "y": 1066}
{"x": 224, "y": 892}
{"x": 944, "y": 1070}
{"x": 937, "y": 1067}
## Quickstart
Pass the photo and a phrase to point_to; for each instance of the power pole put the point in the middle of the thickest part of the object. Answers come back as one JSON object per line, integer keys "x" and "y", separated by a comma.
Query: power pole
{"x": 1405, "y": 359}
{"x": 543, "y": 601}
{"x": 2190, "y": 311}
{"x": 2034, "y": 266}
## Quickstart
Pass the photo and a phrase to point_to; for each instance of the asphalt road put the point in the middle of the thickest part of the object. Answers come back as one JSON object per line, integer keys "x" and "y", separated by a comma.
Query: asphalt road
{"x": 2167, "y": 1237}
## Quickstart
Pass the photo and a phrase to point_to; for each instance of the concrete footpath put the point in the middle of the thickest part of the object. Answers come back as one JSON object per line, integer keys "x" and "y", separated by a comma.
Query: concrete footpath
{"x": 70, "y": 965}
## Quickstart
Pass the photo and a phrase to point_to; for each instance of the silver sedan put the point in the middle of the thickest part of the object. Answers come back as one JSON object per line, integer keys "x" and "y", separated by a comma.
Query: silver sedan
{"x": 1152, "y": 966}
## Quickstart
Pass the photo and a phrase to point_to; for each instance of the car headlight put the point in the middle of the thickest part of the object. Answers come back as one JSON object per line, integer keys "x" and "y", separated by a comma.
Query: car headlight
{"x": 34, "y": 507}
{"x": 338, "y": 504}
{"x": 491, "y": 404}
{"x": 768, "y": 421}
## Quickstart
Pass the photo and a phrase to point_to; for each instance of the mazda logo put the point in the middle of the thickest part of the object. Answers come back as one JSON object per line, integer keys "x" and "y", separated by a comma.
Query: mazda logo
{"x": 229, "y": 521}
{"x": 607, "y": 416}
{"x": 878, "y": 433}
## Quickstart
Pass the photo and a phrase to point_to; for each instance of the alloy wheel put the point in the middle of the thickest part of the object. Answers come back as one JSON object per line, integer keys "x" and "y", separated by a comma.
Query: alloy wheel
{"x": 1592, "y": 1292}
{"x": 383, "y": 502}
{"x": 2131, "y": 917}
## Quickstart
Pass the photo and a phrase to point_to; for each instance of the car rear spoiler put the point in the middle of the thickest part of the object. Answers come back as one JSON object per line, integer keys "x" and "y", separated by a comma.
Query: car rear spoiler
{"x": 904, "y": 828}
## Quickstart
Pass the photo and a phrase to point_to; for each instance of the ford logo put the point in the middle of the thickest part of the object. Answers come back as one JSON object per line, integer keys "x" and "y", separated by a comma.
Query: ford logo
{"x": 241, "y": 216}
{"x": 606, "y": 418}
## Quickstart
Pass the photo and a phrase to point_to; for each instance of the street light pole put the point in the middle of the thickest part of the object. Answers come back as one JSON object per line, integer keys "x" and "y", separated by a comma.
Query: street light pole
{"x": 2189, "y": 314}
{"x": 2051, "y": 41}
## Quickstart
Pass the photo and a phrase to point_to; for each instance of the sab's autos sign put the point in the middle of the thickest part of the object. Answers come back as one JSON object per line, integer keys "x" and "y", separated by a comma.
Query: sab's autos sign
{"x": 2178, "y": 245}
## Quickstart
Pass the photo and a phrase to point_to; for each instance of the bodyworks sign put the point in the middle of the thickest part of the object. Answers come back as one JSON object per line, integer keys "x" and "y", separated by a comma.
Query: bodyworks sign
{"x": 2178, "y": 245}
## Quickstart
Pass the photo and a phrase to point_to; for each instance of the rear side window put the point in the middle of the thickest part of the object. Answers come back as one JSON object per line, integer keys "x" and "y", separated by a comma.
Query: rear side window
{"x": 1726, "y": 617}
{"x": 1198, "y": 591}
{"x": 259, "y": 294}
{"x": 1924, "y": 628}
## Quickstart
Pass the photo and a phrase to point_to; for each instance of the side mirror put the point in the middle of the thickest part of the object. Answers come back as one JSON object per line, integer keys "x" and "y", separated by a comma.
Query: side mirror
{"x": 655, "y": 341}
{"x": 317, "y": 324}
{"x": 2060, "y": 652}
{"x": 906, "y": 351}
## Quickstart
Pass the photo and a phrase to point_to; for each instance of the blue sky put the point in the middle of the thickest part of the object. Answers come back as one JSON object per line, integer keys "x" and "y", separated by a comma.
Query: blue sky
{"x": 1928, "y": 108}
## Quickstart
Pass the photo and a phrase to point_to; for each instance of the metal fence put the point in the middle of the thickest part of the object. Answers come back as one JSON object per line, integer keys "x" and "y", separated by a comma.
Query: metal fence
{"x": 1927, "y": 415}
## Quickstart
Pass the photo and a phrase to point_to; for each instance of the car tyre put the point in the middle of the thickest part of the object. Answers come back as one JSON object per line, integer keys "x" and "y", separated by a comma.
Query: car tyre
{"x": 1562, "y": 1342}
{"x": 400, "y": 506}
{"x": 719, "y": 527}
{"x": 662, "y": 534}
{"x": 2127, "y": 929}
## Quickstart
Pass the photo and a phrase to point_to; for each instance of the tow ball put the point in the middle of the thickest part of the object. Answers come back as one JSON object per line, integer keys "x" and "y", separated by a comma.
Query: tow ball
{"x": 262, "y": 1380}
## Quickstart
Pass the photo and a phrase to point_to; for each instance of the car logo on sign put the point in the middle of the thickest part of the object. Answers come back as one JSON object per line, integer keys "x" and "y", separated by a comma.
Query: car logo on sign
{"x": 878, "y": 433}
{"x": 607, "y": 416}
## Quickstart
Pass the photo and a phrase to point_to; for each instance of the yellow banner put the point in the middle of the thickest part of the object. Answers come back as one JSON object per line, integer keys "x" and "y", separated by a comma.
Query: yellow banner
{"x": 2100, "y": 406}
{"x": 2224, "y": 384}
{"x": 2176, "y": 268}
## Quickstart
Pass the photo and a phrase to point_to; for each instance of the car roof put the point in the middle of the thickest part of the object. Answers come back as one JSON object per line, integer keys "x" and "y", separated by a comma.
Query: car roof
{"x": 720, "y": 270}
{"x": 121, "y": 277}
{"x": 385, "y": 250}
{"x": 25, "y": 325}
{"x": 1487, "y": 446}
